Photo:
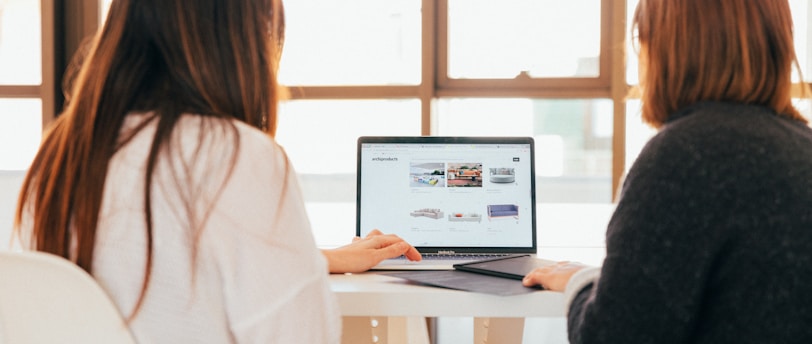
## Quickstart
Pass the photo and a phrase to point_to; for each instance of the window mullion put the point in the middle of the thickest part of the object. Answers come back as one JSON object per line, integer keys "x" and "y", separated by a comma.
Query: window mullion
{"x": 48, "y": 87}
{"x": 429, "y": 61}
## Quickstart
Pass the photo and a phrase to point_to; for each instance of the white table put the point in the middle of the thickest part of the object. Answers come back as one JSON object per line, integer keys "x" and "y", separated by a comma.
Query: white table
{"x": 392, "y": 310}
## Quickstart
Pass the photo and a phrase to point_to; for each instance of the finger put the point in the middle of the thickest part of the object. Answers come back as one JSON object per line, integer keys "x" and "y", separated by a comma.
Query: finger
{"x": 533, "y": 278}
{"x": 393, "y": 250}
{"x": 354, "y": 239}
{"x": 529, "y": 281}
{"x": 387, "y": 240}
{"x": 413, "y": 254}
{"x": 374, "y": 232}
{"x": 383, "y": 240}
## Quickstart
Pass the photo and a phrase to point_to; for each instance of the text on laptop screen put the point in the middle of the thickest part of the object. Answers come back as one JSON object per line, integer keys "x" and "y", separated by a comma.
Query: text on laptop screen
{"x": 478, "y": 194}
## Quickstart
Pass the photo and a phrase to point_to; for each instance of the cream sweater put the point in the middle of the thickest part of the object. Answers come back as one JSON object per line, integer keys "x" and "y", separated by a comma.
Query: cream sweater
{"x": 255, "y": 276}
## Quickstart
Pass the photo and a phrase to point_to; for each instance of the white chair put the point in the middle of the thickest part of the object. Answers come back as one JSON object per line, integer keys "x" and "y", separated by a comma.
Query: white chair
{"x": 47, "y": 299}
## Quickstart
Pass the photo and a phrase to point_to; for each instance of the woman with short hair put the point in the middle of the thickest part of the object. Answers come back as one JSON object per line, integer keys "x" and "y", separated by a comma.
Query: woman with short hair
{"x": 710, "y": 241}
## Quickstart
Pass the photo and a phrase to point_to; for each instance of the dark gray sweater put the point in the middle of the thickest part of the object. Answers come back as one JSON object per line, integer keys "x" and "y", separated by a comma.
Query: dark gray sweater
{"x": 711, "y": 241}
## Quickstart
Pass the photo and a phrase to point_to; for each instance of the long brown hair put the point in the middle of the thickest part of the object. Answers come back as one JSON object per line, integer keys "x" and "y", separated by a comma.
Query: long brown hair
{"x": 214, "y": 58}
{"x": 718, "y": 50}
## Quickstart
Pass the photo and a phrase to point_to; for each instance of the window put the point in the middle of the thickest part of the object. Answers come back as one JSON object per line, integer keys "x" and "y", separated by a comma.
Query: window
{"x": 411, "y": 67}
{"x": 532, "y": 39}
{"x": 320, "y": 139}
{"x": 542, "y": 68}
{"x": 801, "y": 13}
{"x": 20, "y": 132}
{"x": 573, "y": 139}
{"x": 26, "y": 80}
{"x": 360, "y": 42}
{"x": 20, "y": 57}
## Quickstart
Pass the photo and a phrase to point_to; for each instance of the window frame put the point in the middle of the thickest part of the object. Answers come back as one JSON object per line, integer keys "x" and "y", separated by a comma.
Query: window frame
{"x": 82, "y": 17}
{"x": 573, "y": 87}
{"x": 64, "y": 25}
{"x": 435, "y": 83}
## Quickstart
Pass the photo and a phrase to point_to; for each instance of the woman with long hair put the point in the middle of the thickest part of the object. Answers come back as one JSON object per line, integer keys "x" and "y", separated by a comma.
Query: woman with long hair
{"x": 710, "y": 241}
{"x": 162, "y": 180}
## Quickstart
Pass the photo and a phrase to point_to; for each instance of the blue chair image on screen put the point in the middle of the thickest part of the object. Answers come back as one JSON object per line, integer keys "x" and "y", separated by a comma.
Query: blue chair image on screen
{"x": 47, "y": 299}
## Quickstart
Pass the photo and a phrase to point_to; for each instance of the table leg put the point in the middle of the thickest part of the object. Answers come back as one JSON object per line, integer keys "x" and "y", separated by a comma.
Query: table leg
{"x": 498, "y": 330}
{"x": 384, "y": 330}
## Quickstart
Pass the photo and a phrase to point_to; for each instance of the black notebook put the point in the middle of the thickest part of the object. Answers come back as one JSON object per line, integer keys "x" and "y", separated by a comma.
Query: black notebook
{"x": 513, "y": 267}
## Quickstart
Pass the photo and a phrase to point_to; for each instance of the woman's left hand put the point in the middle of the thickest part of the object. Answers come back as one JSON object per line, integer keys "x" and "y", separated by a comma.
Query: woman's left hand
{"x": 552, "y": 277}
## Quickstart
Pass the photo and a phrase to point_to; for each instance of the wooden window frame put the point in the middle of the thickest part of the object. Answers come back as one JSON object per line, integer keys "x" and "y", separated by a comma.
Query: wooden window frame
{"x": 78, "y": 19}
{"x": 435, "y": 84}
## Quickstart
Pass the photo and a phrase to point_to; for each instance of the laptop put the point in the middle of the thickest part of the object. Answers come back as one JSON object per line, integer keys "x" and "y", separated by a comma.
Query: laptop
{"x": 456, "y": 199}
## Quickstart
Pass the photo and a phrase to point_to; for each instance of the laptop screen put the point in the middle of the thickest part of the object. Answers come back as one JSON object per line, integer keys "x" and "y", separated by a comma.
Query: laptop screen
{"x": 466, "y": 194}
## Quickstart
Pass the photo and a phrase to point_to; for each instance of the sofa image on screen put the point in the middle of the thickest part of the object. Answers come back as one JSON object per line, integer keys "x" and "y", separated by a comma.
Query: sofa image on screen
{"x": 502, "y": 175}
{"x": 503, "y": 210}
{"x": 502, "y": 178}
{"x": 464, "y": 217}
{"x": 427, "y": 212}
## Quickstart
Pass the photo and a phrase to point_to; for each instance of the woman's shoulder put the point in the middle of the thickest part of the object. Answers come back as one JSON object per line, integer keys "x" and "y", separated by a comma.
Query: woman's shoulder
{"x": 209, "y": 152}
{"x": 222, "y": 137}
{"x": 203, "y": 128}
{"x": 737, "y": 118}
{"x": 712, "y": 126}
{"x": 725, "y": 139}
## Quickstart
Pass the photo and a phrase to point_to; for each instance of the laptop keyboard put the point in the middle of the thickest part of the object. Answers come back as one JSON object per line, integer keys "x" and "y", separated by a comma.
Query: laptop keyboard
{"x": 459, "y": 256}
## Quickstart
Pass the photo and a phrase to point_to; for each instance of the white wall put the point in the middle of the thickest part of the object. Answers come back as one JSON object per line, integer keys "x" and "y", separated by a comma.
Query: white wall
{"x": 10, "y": 182}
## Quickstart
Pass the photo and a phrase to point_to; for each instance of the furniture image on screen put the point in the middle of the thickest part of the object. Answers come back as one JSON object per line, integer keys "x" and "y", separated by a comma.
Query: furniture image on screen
{"x": 502, "y": 178}
{"x": 427, "y": 212}
{"x": 464, "y": 174}
{"x": 502, "y": 175}
{"x": 426, "y": 180}
{"x": 47, "y": 299}
{"x": 463, "y": 217}
{"x": 503, "y": 210}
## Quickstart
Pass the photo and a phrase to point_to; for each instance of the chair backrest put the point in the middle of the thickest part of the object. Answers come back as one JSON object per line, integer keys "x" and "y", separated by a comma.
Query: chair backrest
{"x": 47, "y": 299}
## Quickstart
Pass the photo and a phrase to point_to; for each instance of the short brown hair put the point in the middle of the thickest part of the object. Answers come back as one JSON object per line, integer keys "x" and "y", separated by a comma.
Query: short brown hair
{"x": 715, "y": 50}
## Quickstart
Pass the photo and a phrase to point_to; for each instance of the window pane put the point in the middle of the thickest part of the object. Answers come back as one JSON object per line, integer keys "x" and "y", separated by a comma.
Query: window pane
{"x": 545, "y": 38}
{"x": 352, "y": 42}
{"x": 20, "y": 132}
{"x": 801, "y": 13}
{"x": 632, "y": 61}
{"x": 573, "y": 140}
{"x": 320, "y": 139}
{"x": 804, "y": 105}
{"x": 20, "y": 38}
{"x": 637, "y": 132}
